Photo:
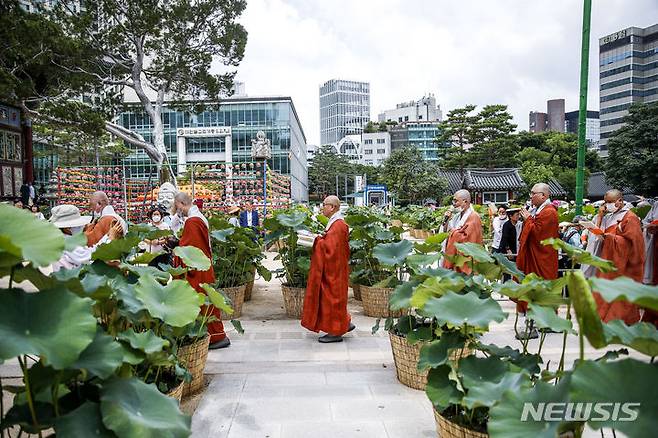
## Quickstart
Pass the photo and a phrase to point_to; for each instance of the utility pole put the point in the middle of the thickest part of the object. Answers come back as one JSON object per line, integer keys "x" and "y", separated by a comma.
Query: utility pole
{"x": 582, "y": 109}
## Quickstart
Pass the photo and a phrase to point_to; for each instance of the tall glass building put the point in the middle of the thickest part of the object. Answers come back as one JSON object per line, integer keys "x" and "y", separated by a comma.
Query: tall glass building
{"x": 421, "y": 135}
{"x": 241, "y": 118}
{"x": 344, "y": 109}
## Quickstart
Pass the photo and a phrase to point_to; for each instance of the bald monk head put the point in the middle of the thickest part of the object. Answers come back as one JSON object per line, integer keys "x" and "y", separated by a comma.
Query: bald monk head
{"x": 461, "y": 199}
{"x": 330, "y": 206}
{"x": 614, "y": 201}
{"x": 182, "y": 203}
{"x": 539, "y": 193}
{"x": 98, "y": 201}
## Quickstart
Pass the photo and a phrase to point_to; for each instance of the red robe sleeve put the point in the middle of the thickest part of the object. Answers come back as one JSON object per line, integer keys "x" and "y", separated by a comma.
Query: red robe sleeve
{"x": 471, "y": 232}
{"x": 195, "y": 233}
{"x": 533, "y": 256}
{"x": 623, "y": 244}
{"x": 95, "y": 232}
{"x": 325, "y": 302}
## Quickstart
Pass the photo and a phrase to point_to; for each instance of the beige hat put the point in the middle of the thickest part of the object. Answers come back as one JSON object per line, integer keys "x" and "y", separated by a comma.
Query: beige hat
{"x": 68, "y": 216}
{"x": 565, "y": 224}
{"x": 234, "y": 209}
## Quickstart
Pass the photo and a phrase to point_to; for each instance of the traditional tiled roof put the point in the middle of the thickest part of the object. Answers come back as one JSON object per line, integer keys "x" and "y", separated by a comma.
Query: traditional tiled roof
{"x": 479, "y": 180}
{"x": 597, "y": 186}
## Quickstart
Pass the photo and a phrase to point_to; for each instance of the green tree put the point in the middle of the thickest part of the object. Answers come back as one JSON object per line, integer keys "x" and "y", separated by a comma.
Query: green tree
{"x": 327, "y": 166}
{"x": 457, "y": 129}
{"x": 410, "y": 177}
{"x": 633, "y": 151}
{"x": 370, "y": 127}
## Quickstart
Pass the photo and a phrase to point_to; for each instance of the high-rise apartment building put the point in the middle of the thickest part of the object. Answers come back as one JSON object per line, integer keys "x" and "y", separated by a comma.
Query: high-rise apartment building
{"x": 422, "y": 110}
{"x": 537, "y": 122}
{"x": 344, "y": 109}
{"x": 592, "y": 126}
{"x": 551, "y": 120}
{"x": 628, "y": 74}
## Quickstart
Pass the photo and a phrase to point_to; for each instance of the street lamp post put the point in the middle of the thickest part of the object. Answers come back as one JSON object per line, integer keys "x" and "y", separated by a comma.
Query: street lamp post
{"x": 582, "y": 109}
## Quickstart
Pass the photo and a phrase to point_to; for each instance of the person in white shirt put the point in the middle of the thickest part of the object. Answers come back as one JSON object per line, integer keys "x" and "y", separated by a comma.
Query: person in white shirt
{"x": 497, "y": 225}
{"x": 37, "y": 214}
{"x": 233, "y": 213}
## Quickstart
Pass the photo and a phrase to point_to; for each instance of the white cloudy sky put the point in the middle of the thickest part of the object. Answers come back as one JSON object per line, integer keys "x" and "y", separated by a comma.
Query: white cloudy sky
{"x": 515, "y": 52}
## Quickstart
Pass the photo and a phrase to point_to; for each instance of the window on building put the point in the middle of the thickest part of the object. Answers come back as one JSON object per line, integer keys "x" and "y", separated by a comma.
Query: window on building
{"x": 406, "y": 118}
{"x": 420, "y": 117}
{"x": 368, "y": 151}
{"x": 367, "y": 141}
{"x": 495, "y": 197}
{"x": 381, "y": 151}
{"x": 381, "y": 141}
{"x": 400, "y": 119}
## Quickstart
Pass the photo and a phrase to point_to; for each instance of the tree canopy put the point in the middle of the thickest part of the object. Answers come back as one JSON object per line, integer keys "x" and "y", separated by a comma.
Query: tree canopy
{"x": 633, "y": 151}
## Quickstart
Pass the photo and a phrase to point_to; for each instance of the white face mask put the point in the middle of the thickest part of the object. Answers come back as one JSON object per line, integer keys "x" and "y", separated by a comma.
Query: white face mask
{"x": 156, "y": 218}
{"x": 76, "y": 230}
{"x": 610, "y": 207}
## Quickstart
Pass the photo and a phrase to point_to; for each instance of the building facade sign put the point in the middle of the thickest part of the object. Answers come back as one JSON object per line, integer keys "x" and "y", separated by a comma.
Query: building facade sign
{"x": 614, "y": 37}
{"x": 209, "y": 131}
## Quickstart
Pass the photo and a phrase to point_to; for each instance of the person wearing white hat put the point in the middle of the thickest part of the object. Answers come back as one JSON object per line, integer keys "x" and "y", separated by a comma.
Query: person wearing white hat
{"x": 234, "y": 212}
{"x": 68, "y": 219}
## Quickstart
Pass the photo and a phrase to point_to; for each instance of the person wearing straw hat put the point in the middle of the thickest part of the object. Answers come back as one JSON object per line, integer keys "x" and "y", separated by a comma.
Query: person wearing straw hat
{"x": 68, "y": 219}
{"x": 325, "y": 302}
{"x": 234, "y": 212}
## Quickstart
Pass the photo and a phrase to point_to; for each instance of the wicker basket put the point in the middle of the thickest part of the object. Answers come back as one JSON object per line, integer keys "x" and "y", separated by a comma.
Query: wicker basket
{"x": 356, "y": 289}
{"x": 236, "y": 294}
{"x": 447, "y": 429}
{"x": 177, "y": 392}
{"x": 293, "y": 300}
{"x": 414, "y": 233}
{"x": 193, "y": 357}
{"x": 249, "y": 287}
{"x": 375, "y": 302}
{"x": 405, "y": 356}
{"x": 396, "y": 223}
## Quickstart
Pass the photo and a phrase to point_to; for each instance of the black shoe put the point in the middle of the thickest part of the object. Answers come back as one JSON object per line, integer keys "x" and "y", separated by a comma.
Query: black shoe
{"x": 220, "y": 344}
{"x": 352, "y": 327}
{"x": 328, "y": 339}
{"x": 532, "y": 334}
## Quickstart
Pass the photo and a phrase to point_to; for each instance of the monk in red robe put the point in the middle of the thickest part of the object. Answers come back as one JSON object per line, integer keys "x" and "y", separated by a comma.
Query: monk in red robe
{"x": 104, "y": 218}
{"x": 325, "y": 302}
{"x": 196, "y": 234}
{"x": 464, "y": 226}
{"x": 540, "y": 222}
{"x": 622, "y": 242}
{"x": 650, "y": 225}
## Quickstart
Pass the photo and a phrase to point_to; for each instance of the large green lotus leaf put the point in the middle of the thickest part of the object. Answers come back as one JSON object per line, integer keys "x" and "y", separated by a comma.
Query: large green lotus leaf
{"x": 440, "y": 389}
{"x": 587, "y": 315}
{"x": 150, "y": 271}
{"x": 416, "y": 261}
{"x": 437, "y": 239}
{"x": 23, "y": 237}
{"x": 97, "y": 287}
{"x": 264, "y": 272}
{"x": 54, "y": 324}
{"x": 474, "y": 250}
{"x": 623, "y": 381}
{"x": 401, "y": 296}
{"x": 34, "y": 276}
{"x": 357, "y": 244}
{"x": 115, "y": 249}
{"x": 132, "y": 356}
{"x": 505, "y": 417}
{"x": 75, "y": 241}
{"x": 131, "y": 408}
{"x": 477, "y": 370}
{"x": 626, "y": 289}
{"x": 145, "y": 258}
{"x": 102, "y": 357}
{"x": 580, "y": 256}
{"x": 125, "y": 293}
{"x": 384, "y": 235}
{"x": 177, "y": 303}
{"x": 217, "y": 299}
{"x": 148, "y": 342}
{"x": 393, "y": 254}
{"x": 508, "y": 266}
{"x": 85, "y": 421}
{"x": 174, "y": 272}
{"x": 294, "y": 219}
{"x": 490, "y": 271}
{"x": 357, "y": 219}
{"x": 458, "y": 310}
{"x": 642, "y": 336}
{"x": 436, "y": 353}
{"x": 435, "y": 287}
{"x": 545, "y": 317}
{"x": 534, "y": 289}
{"x": 193, "y": 257}
{"x": 221, "y": 235}
{"x": 488, "y": 393}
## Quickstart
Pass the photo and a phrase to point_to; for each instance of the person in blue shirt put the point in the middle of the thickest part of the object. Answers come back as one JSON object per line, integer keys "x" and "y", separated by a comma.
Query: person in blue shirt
{"x": 249, "y": 217}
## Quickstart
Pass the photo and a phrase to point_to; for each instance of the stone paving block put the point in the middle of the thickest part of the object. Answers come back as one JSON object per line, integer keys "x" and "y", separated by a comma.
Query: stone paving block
{"x": 253, "y": 430}
{"x": 301, "y": 410}
{"x": 327, "y": 392}
{"x": 356, "y": 377}
{"x": 385, "y": 391}
{"x": 358, "y": 429}
{"x": 213, "y": 417}
{"x": 370, "y": 410}
{"x": 420, "y": 428}
{"x": 316, "y": 378}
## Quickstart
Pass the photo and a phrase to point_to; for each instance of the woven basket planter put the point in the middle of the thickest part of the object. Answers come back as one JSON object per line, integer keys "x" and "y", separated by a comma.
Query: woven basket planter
{"x": 293, "y": 300}
{"x": 447, "y": 429}
{"x": 356, "y": 289}
{"x": 406, "y": 357}
{"x": 375, "y": 302}
{"x": 236, "y": 294}
{"x": 424, "y": 234}
{"x": 396, "y": 223}
{"x": 249, "y": 287}
{"x": 193, "y": 357}
{"x": 414, "y": 233}
{"x": 177, "y": 392}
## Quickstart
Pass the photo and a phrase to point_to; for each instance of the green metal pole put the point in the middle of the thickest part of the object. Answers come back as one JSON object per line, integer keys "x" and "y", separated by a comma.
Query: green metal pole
{"x": 582, "y": 109}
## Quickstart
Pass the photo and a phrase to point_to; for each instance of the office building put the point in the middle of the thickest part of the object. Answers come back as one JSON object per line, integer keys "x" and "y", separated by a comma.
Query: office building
{"x": 344, "y": 109}
{"x": 204, "y": 136}
{"x": 311, "y": 150}
{"x": 551, "y": 120}
{"x": 351, "y": 146}
{"x": 376, "y": 148}
{"x": 422, "y": 110}
{"x": 422, "y": 135}
{"x": 592, "y": 126}
{"x": 628, "y": 74}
